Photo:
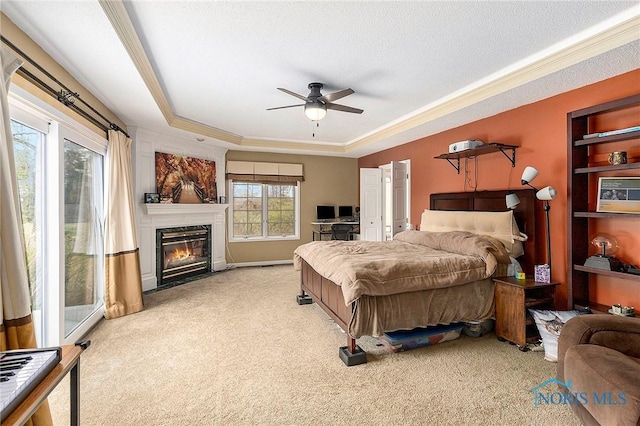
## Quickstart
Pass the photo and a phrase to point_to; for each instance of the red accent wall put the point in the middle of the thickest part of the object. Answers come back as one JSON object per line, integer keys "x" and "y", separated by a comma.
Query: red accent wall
{"x": 540, "y": 130}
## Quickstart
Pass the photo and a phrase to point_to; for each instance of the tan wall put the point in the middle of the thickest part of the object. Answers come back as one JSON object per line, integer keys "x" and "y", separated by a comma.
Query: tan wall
{"x": 15, "y": 35}
{"x": 328, "y": 180}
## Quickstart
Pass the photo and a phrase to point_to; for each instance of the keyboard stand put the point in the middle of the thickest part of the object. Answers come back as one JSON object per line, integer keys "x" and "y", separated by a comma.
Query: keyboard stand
{"x": 70, "y": 362}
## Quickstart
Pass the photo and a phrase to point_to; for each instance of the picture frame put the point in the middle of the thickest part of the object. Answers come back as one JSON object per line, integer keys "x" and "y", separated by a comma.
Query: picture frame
{"x": 618, "y": 195}
{"x": 223, "y": 199}
{"x": 151, "y": 197}
{"x": 185, "y": 180}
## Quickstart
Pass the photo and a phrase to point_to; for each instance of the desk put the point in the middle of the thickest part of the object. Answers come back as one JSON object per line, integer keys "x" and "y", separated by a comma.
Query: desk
{"x": 324, "y": 227}
{"x": 70, "y": 362}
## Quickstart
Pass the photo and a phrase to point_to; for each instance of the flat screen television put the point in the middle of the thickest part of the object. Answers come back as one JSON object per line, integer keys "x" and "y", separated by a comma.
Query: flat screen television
{"x": 345, "y": 211}
{"x": 325, "y": 212}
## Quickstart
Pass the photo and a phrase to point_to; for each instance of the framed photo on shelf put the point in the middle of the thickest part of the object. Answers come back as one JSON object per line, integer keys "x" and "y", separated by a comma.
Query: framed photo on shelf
{"x": 618, "y": 195}
{"x": 151, "y": 197}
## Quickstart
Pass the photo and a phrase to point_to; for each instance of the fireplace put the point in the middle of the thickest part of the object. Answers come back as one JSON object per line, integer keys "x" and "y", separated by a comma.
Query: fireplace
{"x": 182, "y": 252}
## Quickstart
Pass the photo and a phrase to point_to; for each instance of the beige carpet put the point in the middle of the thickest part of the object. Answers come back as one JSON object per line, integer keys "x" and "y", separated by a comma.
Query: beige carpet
{"x": 236, "y": 348}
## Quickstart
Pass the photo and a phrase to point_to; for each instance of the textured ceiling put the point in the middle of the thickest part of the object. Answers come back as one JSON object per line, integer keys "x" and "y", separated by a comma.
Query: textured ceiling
{"x": 211, "y": 68}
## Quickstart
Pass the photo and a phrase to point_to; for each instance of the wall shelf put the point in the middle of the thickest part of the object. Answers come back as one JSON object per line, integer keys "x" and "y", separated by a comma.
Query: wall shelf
{"x": 612, "y": 138}
{"x": 596, "y": 169}
{"x": 486, "y": 149}
{"x": 603, "y": 215}
{"x": 616, "y": 274}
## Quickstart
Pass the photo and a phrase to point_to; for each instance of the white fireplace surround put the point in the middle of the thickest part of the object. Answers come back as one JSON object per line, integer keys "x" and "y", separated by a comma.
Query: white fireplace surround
{"x": 151, "y": 217}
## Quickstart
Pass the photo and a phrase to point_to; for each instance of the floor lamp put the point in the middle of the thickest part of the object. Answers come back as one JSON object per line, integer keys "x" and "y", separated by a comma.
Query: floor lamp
{"x": 545, "y": 194}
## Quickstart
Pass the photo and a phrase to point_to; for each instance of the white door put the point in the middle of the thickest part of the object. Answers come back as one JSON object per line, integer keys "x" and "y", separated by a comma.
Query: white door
{"x": 371, "y": 204}
{"x": 398, "y": 197}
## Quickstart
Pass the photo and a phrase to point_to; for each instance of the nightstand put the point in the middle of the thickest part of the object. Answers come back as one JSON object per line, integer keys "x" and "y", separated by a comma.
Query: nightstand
{"x": 513, "y": 297}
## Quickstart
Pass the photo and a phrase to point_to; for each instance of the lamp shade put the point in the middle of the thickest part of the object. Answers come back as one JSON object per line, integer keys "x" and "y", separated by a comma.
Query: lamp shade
{"x": 546, "y": 193}
{"x": 529, "y": 174}
{"x": 315, "y": 110}
{"x": 512, "y": 201}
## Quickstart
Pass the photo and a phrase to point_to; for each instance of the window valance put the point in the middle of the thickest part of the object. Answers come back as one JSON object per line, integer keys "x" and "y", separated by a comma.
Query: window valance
{"x": 249, "y": 171}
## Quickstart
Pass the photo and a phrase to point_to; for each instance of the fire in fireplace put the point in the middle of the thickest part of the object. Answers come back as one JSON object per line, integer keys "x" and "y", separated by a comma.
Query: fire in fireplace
{"x": 182, "y": 252}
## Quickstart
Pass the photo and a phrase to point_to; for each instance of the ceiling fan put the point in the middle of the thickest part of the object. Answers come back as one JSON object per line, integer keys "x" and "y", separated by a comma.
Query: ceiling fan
{"x": 316, "y": 104}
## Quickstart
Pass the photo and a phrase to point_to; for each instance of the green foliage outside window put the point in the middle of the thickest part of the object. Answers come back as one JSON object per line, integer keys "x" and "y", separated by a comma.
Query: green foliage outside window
{"x": 25, "y": 147}
{"x": 253, "y": 202}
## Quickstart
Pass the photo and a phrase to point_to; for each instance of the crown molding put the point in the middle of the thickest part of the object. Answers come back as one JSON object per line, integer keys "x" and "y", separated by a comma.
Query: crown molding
{"x": 121, "y": 23}
{"x": 291, "y": 145}
{"x": 612, "y": 35}
{"x": 528, "y": 70}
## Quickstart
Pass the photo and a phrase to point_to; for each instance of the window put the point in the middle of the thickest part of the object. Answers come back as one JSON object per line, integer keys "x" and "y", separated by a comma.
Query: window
{"x": 59, "y": 168}
{"x": 264, "y": 211}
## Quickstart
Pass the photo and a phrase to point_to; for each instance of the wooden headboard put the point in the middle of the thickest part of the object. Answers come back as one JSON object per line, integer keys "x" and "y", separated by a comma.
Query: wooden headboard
{"x": 494, "y": 201}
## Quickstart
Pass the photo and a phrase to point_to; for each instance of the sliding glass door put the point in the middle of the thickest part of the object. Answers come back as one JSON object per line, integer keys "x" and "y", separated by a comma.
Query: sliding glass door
{"x": 83, "y": 242}
{"x": 59, "y": 168}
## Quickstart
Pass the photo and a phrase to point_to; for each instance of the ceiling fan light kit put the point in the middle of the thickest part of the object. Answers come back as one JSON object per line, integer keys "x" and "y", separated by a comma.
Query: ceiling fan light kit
{"x": 315, "y": 110}
{"x": 316, "y": 104}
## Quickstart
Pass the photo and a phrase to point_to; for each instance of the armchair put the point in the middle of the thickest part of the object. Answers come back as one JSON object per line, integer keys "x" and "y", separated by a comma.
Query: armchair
{"x": 599, "y": 357}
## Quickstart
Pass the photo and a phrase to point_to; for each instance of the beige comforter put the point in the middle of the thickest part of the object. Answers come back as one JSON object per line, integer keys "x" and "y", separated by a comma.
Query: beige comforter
{"x": 413, "y": 261}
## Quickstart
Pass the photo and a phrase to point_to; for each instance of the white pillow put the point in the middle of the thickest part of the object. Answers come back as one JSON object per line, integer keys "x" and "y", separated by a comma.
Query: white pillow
{"x": 549, "y": 324}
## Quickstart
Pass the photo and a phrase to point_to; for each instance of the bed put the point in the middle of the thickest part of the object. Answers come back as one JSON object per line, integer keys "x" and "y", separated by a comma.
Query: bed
{"x": 420, "y": 278}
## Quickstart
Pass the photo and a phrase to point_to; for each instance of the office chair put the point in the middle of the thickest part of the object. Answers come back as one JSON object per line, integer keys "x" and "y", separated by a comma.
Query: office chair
{"x": 341, "y": 231}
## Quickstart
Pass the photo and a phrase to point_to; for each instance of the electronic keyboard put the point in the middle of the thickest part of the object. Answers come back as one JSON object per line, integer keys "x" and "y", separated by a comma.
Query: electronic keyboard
{"x": 21, "y": 371}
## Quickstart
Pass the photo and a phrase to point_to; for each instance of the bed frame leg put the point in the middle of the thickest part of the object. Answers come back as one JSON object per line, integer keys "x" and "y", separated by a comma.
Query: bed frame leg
{"x": 304, "y": 299}
{"x": 352, "y": 354}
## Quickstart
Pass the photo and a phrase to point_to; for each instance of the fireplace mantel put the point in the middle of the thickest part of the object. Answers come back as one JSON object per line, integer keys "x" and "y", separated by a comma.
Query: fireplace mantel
{"x": 150, "y": 217}
{"x": 166, "y": 209}
{"x": 156, "y": 215}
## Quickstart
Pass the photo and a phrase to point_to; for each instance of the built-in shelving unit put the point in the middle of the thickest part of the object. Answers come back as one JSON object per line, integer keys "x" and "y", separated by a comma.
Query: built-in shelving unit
{"x": 454, "y": 157}
{"x": 581, "y": 220}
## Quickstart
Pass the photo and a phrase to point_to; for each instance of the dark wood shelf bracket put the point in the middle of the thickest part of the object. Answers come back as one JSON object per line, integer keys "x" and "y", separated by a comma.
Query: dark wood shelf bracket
{"x": 505, "y": 148}
{"x": 455, "y": 166}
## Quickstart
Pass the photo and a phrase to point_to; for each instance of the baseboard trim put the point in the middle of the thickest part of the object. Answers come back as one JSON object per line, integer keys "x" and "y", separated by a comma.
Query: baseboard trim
{"x": 263, "y": 263}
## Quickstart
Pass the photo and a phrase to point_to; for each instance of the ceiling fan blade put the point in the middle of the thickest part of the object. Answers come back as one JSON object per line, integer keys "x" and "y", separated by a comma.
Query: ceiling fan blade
{"x": 344, "y": 108}
{"x": 288, "y": 106}
{"x": 289, "y": 92}
{"x": 336, "y": 95}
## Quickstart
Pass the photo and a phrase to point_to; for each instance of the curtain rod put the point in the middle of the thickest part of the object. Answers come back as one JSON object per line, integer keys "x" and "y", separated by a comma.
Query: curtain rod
{"x": 65, "y": 95}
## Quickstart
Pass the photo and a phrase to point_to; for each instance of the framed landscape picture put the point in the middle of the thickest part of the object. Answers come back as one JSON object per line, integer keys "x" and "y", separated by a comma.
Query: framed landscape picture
{"x": 618, "y": 195}
{"x": 185, "y": 180}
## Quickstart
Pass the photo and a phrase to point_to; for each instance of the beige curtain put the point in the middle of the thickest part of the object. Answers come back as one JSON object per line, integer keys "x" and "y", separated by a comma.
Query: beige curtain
{"x": 123, "y": 279}
{"x": 16, "y": 330}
